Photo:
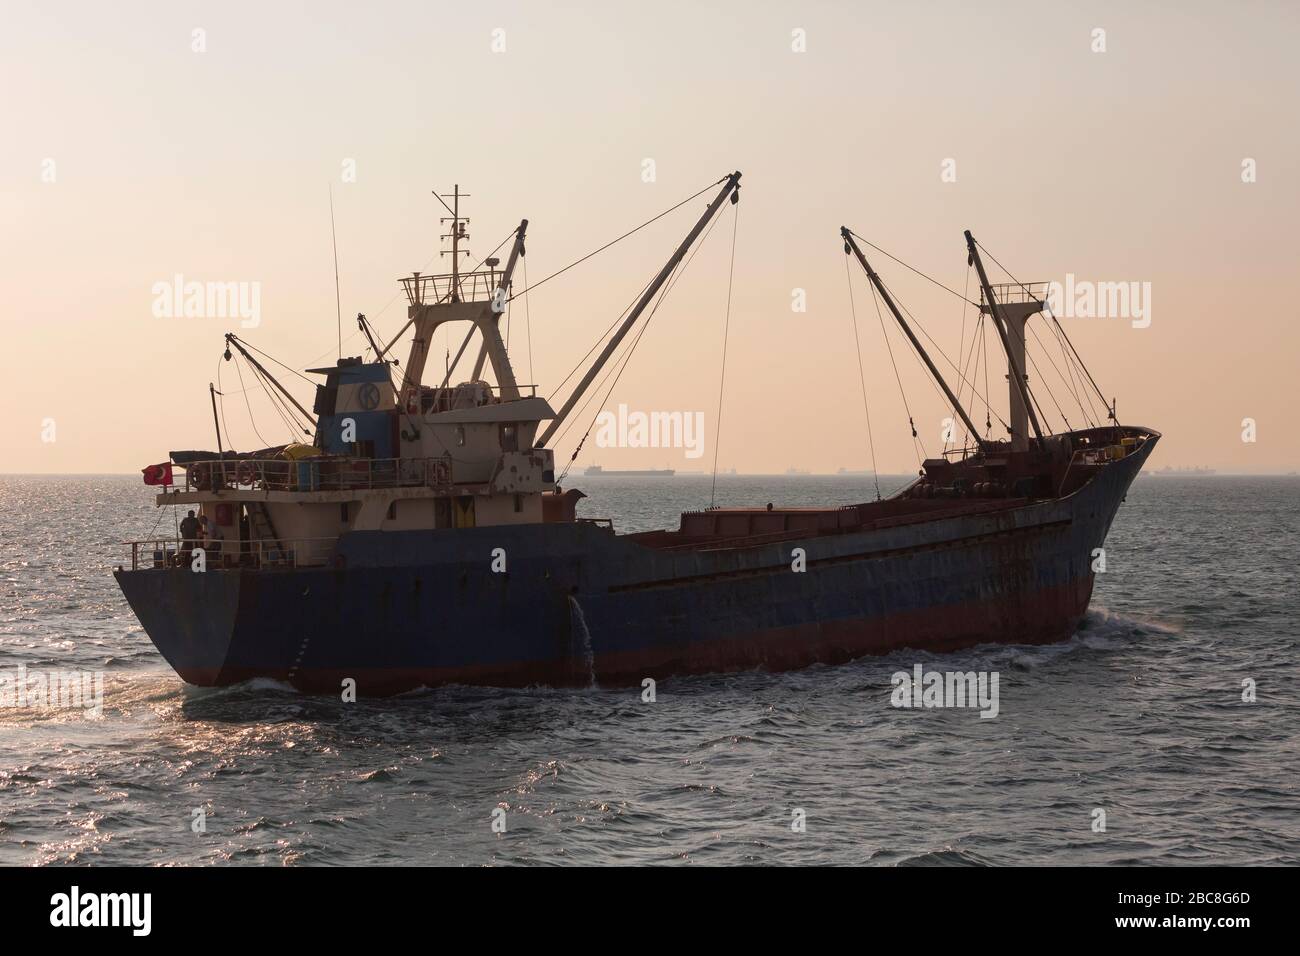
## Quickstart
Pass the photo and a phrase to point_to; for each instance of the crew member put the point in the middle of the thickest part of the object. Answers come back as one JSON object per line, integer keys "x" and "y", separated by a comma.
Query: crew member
{"x": 190, "y": 530}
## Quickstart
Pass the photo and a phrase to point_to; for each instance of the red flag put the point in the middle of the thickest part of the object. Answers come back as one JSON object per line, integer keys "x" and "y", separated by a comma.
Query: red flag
{"x": 158, "y": 474}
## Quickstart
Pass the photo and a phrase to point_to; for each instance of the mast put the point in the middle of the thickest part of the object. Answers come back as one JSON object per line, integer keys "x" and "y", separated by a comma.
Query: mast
{"x": 481, "y": 309}
{"x": 1022, "y": 405}
{"x": 850, "y": 245}
{"x": 728, "y": 189}
{"x": 457, "y": 234}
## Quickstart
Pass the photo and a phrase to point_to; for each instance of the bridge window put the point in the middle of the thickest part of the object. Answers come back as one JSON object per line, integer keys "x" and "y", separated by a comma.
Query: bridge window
{"x": 510, "y": 437}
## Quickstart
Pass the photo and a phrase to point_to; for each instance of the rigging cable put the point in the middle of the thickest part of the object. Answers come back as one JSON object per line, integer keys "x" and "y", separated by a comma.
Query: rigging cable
{"x": 272, "y": 358}
{"x": 609, "y": 372}
{"x": 916, "y": 441}
{"x": 984, "y": 354}
{"x": 619, "y": 365}
{"x": 962, "y": 359}
{"x": 678, "y": 271}
{"x": 222, "y": 403}
{"x": 619, "y": 318}
{"x": 973, "y": 360}
{"x": 619, "y": 239}
{"x": 1079, "y": 387}
{"x": 1038, "y": 405}
{"x": 1048, "y": 355}
{"x": 277, "y": 405}
{"x": 937, "y": 347}
{"x": 528, "y": 326}
{"x": 288, "y": 415}
{"x": 862, "y": 378}
{"x": 722, "y": 379}
{"x": 264, "y": 442}
{"x": 528, "y": 287}
{"x": 621, "y": 359}
{"x": 613, "y": 325}
{"x": 338, "y": 300}
{"x": 508, "y": 311}
{"x": 906, "y": 266}
{"x": 1089, "y": 412}
{"x": 1083, "y": 366}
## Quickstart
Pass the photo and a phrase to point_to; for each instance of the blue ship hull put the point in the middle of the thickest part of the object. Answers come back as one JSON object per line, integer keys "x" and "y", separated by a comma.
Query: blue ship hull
{"x": 576, "y": 603}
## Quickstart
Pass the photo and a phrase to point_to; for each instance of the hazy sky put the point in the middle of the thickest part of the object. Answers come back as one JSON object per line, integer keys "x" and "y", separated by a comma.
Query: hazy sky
{"x": 130, "y": 157}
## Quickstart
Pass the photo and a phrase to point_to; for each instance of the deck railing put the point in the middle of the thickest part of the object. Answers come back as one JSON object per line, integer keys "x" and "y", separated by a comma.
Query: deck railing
{"x": 960, "y": 452}
{"x": 319, "y": 474}
{"x": 468, "y": 286}
{"x": 1009, "y": 292}
{"x": 173, "y": 553}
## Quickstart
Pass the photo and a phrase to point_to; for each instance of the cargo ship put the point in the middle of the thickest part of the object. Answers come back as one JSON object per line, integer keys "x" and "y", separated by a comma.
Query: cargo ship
{"x": 597, "y": 471}
{"x": 423, "y": 536}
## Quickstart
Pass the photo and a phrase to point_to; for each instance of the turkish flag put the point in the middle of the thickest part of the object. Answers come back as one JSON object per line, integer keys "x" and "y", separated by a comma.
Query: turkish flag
{"x": 158, "y": 474}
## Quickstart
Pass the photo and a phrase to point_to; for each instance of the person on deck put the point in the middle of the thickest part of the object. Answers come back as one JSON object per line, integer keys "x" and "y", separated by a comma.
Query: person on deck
{"x": 190, "y": 530}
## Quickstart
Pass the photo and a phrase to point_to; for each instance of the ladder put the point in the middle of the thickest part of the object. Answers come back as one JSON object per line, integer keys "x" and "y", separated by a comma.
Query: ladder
{"x": 262, "y": 530}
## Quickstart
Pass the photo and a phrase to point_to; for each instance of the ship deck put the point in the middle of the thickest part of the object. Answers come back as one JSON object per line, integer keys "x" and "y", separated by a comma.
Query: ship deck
{"x": 734, "y": 528}
{"x": 946, "y": 489}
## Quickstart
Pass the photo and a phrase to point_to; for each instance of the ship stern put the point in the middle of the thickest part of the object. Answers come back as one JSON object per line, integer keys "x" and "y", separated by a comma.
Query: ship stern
{"x": 190, "y": 617}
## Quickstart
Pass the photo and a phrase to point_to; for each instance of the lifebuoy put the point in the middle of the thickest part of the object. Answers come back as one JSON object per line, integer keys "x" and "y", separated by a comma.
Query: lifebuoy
{"x": 197, "y": 476}
{"x": 245, "y": 473}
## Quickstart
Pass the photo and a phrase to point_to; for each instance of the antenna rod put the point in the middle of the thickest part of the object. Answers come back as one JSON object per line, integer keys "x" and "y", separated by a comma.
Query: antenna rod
{"x": 1016, "y": 371}
{"x": 338, "y": 302}
{"x": 732, "y": 183}
{"x": 850, "y": 245}
{"x": 457, "y": 234}
{"x": 452, "y": 363}
{"x": 455, "y": 243}
{"x": 233, "y": 339}
{"x": 212, "y": 394}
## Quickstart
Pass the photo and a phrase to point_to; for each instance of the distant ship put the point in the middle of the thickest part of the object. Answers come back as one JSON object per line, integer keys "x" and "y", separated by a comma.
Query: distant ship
{"x": 796, "y": 471}
{"x": 596, "y": 471}
{"x": 1184, "y": 472}
{"x": 376, "y": 555}
{"x": 855, "y": 471}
